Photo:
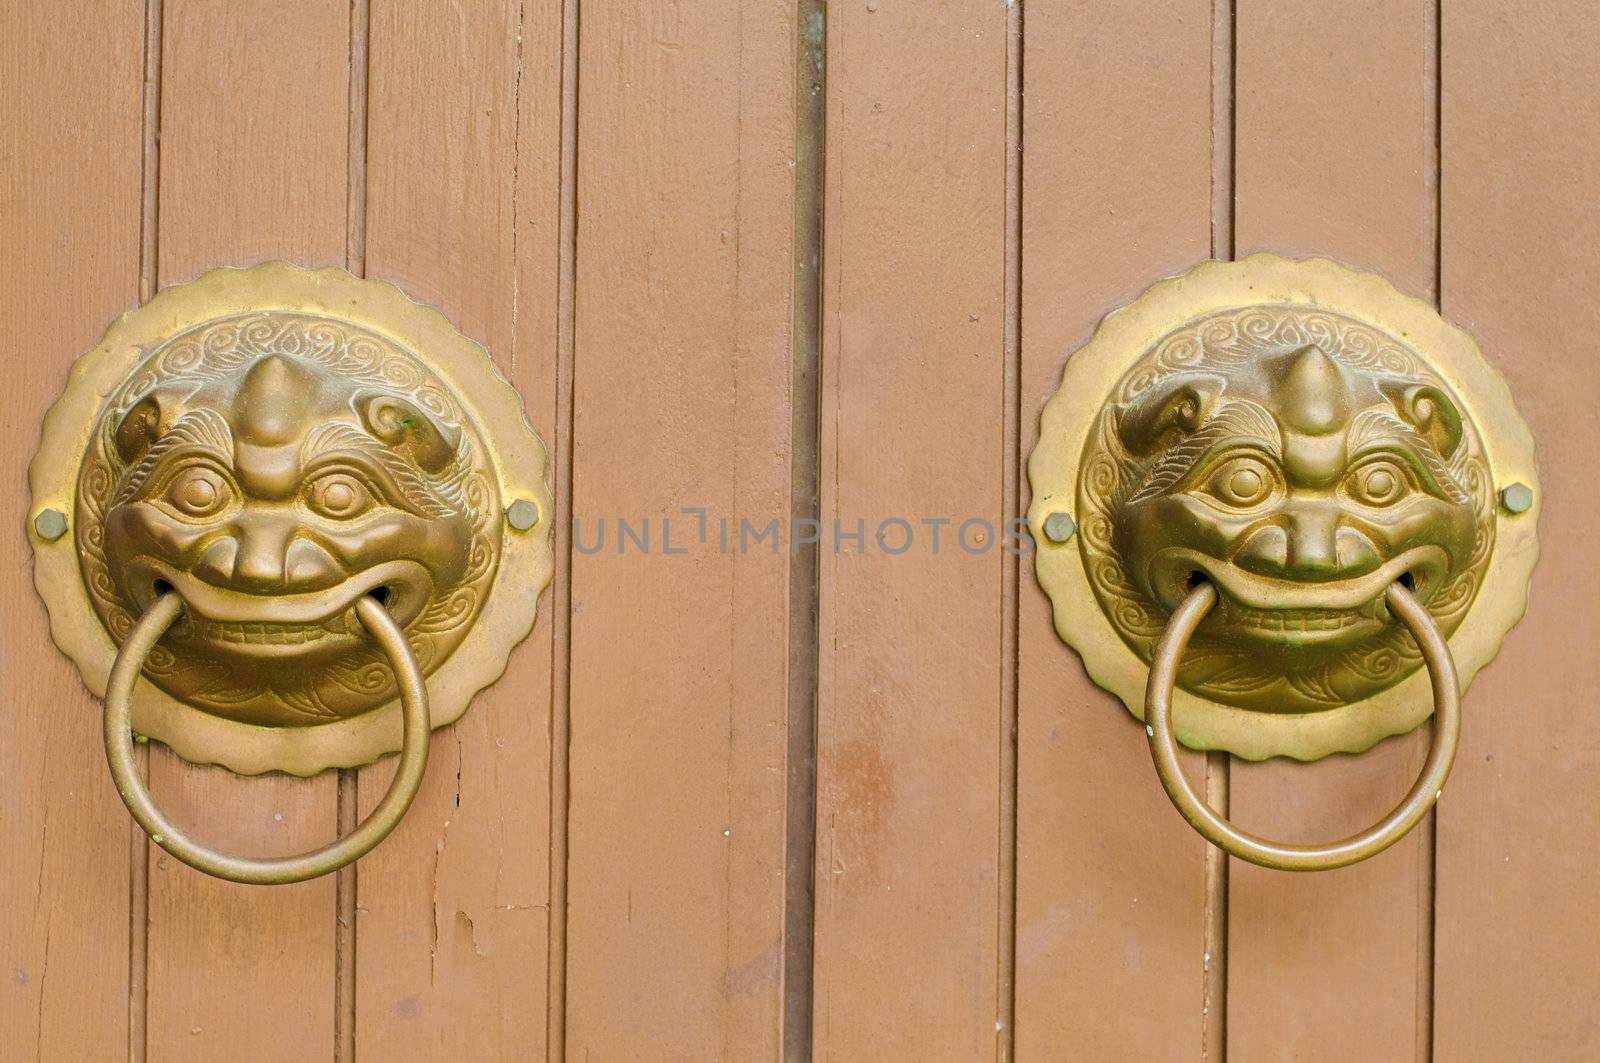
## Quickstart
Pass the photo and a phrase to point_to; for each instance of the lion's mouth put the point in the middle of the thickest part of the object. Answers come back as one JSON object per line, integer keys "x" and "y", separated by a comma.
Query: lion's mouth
{"x": 284, "y": 625}
{"x": 1294, "y": 613}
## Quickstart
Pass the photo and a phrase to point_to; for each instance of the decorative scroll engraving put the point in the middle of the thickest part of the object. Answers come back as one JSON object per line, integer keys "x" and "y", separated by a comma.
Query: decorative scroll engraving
{"x": 1301, "y": 461}
{"x": 273, "y": 467}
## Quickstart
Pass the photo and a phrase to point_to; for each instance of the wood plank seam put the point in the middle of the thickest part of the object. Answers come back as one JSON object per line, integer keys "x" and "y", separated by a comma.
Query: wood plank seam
{"x": 799, "y": 923}
{"x": 1428, "y": 830}
{"x": 138, "y": 841}
{"x": 348, "y": 797}
{"x": 561, "y": 587}
{"x": 1010, "y": 565}
{"x": 1214, "y": 954}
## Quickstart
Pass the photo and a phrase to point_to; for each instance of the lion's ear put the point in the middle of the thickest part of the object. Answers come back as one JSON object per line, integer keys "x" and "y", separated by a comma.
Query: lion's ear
{"x": 404, "y": 426}
{"x": 1178, "y": 403}
{"x": 1428, "y": 409}
{"x": 140, "y": 427}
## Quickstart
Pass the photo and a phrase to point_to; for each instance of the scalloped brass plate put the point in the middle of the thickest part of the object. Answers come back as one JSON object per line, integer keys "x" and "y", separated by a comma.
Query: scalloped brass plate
{"x": 1301, "y": 436}
{"x": 274, "y": 443}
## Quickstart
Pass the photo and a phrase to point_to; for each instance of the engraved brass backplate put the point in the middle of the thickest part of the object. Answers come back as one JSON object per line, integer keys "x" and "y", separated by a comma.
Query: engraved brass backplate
{"x": 1301, "y": 436}
{"x": 274, "y": 444}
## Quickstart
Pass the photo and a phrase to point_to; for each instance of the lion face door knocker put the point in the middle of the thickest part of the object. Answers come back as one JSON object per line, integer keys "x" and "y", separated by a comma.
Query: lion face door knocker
{"x": 1284, "y": 510}
{"x": 287, "y": 520}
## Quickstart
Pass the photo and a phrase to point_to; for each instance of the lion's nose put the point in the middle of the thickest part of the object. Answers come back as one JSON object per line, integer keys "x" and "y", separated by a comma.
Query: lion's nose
{"x": 263, "y": 555}
{"x": 1310, "y": 545}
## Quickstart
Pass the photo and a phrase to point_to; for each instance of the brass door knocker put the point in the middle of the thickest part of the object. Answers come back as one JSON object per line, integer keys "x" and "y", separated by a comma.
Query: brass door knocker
{"x": 1298, "y": 522}
{"x": 307, "y": 523}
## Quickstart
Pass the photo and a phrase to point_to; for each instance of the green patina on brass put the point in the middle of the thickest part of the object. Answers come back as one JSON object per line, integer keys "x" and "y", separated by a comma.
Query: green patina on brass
{"x": 1059, "y": 527}
{"x": 50, "y": 525}
{"x": 1518, "y": 498}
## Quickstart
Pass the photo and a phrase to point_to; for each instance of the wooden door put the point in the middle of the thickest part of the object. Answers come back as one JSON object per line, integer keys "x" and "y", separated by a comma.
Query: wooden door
{"x": 839, "y": 793}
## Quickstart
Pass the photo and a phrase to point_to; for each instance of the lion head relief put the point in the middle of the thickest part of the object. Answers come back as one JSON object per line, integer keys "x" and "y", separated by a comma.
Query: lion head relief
{"x": 1301, "y": 462}
{"x": 272, "y": 469}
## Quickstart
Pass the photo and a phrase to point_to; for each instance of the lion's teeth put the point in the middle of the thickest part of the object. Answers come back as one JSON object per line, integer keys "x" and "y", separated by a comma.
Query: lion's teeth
{"x": 1297, "y": 619}
{"x": 257, "y": 632}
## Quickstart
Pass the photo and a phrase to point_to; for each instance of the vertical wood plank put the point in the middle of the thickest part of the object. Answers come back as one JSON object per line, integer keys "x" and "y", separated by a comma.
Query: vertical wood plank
{"x": 913, "y": 414}
{"x": 1110, "y": 880}
{"x": 69, "y": 80}
{"x": 678, "y": 659}
{"x": 461, "y": 211}
{"x": 1518, "y": 930}
{"x": 253, "y": 166}
{"x": 1335, "y": 156}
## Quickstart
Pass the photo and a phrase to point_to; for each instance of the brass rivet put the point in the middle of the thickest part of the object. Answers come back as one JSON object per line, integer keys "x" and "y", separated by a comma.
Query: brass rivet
{"x": 522, "y": 514}
{"x": 1058, "y": 527}
{"x": 1518, "y": 498}
{"x": 51, "y": 524}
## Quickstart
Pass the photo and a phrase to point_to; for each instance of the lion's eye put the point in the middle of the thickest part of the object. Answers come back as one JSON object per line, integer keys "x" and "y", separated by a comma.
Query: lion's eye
{"x": 1378, "y": 483}
{"x": 199, "y": 491}
{"x": 1241, "y": 483}
{"x": 339, "y": 496}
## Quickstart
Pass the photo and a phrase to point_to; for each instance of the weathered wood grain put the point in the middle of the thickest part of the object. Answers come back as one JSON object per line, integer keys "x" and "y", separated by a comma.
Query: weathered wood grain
{"x": 253, "y": 166}
{"x": 1518, "y": 931}
{"x": 462, "y": 195}
{"x": 913, "y": 404}
{"x": 69, "y": 263}
{"x": 678, "y": 355}
{"x": 1116, "y": 195}
{"x": 1334, "y": 155}
{"x": 679, "y": 652}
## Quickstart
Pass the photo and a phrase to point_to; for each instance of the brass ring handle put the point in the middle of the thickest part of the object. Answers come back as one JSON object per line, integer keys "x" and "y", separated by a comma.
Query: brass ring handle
{"x": 275, "y": 870}
{"x": 1257, "y": 850}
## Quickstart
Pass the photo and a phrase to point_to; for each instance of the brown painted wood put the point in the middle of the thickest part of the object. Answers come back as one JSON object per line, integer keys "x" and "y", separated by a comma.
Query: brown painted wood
{"x": 462, "y": 188}
{"x": 913, "y": 401}
{"x": 1110, "y": 881}
{"x": 70, "y": 262}
{"x": 935, "y": 367}
{"x": 678, "y": 670}
{"x": 1518, "y": 933}
{"x": 253, "y": 166}
{"x": 1334, "y": 156}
